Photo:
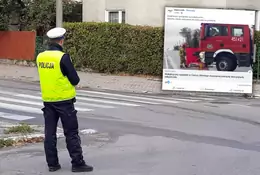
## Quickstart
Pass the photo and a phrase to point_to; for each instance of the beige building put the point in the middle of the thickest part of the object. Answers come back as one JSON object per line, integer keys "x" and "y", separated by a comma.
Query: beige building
{"x": 151, "y": 12}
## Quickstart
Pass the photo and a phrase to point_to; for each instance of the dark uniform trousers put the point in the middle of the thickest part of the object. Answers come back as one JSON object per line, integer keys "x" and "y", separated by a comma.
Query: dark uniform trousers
{"x": 68, "y": 115}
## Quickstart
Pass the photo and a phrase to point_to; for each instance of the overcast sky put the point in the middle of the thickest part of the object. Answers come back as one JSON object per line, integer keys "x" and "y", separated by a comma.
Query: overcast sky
{"x": 172, "y": 31}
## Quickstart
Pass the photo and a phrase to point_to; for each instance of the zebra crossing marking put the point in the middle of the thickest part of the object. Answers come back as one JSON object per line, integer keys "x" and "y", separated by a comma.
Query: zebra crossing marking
{"x": 15, "y": 100}
{"x": 39, "y": 98}
{"x": 83, "y": 99}
{"x": 107, "y": 101}
{"x": 95, "y": 105}
{"x": 174, "y": 101}
{"x": 113, "y": 98}
{"x": 15, "y": 116}
{"x": 20, "y": 108}
{"x": 37, "y": 103}
{"x": 79, "y": 98}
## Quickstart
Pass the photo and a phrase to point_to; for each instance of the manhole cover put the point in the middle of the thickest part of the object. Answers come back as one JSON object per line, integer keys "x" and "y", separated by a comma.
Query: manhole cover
{"x": 220, "y": 102}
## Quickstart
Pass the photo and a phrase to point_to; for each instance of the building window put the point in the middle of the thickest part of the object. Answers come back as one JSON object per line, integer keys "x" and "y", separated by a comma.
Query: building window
{"x": 123, "y": 17}
{"x": 115, "y": 16}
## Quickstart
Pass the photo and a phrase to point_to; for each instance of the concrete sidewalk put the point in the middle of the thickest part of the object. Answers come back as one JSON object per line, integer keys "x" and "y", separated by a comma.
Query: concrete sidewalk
{"x": 99, "y": 81}
{"x": 90, "y": 80}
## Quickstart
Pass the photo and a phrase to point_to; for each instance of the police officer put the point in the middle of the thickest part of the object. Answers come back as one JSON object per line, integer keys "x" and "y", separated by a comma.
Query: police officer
{"x": 58, "y": 79}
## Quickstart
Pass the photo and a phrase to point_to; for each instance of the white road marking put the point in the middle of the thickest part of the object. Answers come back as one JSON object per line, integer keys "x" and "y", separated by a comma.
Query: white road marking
{"x": 36, "y": 103}
{"x": 195, "y": 98}
{"x": 107, "y": 101}
{"x": 156, "y": 100}
{"x": 79, "y": 98}
{"x": 20, "y": 108}
{"x": 39, "y": 98}
{"x": 7, "y": 92}
{"x": 95, "y": 105}
{"x": 84, "y": 99}
{"x": 113, "y": 98}
{"x": 20, "y": 101}
{"x": 245, "y": 106}
{"x": 126, "y": 96}
{"x": 15, "y": 116}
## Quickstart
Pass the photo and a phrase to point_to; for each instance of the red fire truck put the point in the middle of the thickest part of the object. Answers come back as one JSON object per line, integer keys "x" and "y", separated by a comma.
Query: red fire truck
{"x": 228, "y": 45}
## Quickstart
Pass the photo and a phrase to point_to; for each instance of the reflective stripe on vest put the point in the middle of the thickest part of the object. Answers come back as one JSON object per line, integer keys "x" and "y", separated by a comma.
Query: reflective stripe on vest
{"x": 54, "y": 85}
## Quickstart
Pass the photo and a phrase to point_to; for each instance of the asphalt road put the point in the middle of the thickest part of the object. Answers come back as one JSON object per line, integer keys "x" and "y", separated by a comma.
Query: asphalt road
{"x": 141, "y": 135}
{"x": 172, "y": 61}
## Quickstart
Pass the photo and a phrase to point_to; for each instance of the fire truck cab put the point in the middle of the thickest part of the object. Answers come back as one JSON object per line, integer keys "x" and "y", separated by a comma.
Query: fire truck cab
{"x": 227, "y": 45}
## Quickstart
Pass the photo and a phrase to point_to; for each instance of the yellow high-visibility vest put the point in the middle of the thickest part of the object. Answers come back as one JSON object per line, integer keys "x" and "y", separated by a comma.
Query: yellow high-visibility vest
{"x": 54, "y": 85}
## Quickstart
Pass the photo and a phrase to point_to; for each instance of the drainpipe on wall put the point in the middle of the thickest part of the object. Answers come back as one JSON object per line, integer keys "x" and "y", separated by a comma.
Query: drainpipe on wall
{"x": 257, "y": 20}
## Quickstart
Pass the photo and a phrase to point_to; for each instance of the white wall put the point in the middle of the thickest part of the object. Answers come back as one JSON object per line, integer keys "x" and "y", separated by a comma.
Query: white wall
{"x": 244, "y": 4}
{"x": 93, "y": 10}
{"x": 151, "y": 12}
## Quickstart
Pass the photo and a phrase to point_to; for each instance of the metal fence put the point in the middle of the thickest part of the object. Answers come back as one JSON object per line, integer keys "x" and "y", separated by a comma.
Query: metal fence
{"x": 40, "y": 45}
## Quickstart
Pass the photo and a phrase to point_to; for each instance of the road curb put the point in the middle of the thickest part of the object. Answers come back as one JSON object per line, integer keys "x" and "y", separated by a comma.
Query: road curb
{"x": 122, "y": 87}
{"x": 257, "y": 95}
{"x": 41, "y": 136}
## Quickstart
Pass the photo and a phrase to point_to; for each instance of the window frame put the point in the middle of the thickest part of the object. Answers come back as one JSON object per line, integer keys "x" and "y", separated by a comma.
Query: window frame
{"x": 120, "y": 12}
{"x": 221, "y": 29}
{"x": 236, "y": 27}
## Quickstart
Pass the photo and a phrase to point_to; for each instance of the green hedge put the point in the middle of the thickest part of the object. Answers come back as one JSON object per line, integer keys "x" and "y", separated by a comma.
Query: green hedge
{"x": 257, "y": 42}
{"x": 114, "y": 48}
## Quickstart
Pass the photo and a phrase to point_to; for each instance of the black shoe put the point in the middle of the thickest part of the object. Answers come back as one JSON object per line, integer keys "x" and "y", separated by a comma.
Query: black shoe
{"x": 81, "y": 168}
{"x": 54, "y": 168}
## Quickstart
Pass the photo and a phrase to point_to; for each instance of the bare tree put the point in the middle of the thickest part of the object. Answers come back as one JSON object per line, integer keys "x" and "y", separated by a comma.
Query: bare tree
{"x": 191, "y": 36}
{"x": 195, "y": 38}
{"x": 186, "y": 33}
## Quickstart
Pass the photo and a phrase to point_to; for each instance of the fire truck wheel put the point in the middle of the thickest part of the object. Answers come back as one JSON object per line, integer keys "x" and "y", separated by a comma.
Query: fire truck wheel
{"x": 234, "y": 65}
{"x": 224, "y": 64}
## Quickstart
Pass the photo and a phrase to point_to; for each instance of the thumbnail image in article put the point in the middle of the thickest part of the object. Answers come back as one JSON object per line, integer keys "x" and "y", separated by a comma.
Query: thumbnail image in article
{"x": 207, "y": 45}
